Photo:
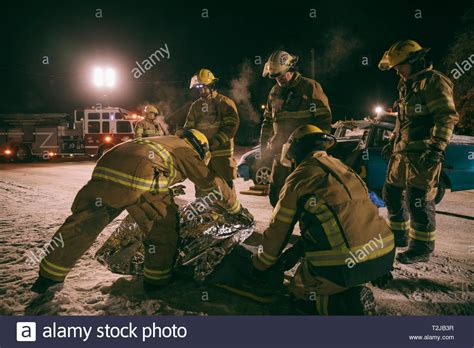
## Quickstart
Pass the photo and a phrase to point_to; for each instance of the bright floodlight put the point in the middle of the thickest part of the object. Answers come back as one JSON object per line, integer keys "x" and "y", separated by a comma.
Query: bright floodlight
{"x": 110, "y": 77}
{"x": 378, "y": 109}
{"x": 104, "y": 77}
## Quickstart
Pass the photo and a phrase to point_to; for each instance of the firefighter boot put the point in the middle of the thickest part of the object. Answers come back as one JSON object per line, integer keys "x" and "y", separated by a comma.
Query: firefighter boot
{"x": 42, "y": 285}
{"x": 149, "y": 287}
{"x": 358, "y": 300}
{"x": 418, "y": 251}
{"x": 354, "y": 301}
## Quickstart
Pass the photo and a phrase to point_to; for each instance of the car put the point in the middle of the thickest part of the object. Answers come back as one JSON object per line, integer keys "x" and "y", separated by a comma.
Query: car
{"x": 253, "y": 167}
{"x": 360, "y": 145}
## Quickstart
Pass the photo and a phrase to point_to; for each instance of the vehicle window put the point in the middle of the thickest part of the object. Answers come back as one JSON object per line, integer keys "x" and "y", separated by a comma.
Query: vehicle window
{"x": 93, "y": 127}
{"x": 105, "y": 127}
{"x": 124, "y": 127}
{"x": 119, "y": 116}
{"x": 381, "y": 137}
{"x": 340, "y": 132}
{"x": 105, "y": 115}
{"x": 387, "y": 134}
{"x": 354, "y": 133}
{"x": 79, "y": 116}
{"x": 94, "y": 116}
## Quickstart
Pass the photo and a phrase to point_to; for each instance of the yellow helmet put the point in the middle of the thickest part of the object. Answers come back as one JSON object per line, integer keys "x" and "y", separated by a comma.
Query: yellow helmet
{"x": 203, "y": 77}
{"x": 198, "y": 141}
{"x": 151, "y": 108}
{"x": 406, "y": 51}
{"x": 279, "y": 63}
{"x": 304, "y": 140}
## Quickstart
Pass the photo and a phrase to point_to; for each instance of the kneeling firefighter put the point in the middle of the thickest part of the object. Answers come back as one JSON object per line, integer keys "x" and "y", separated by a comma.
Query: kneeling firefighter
{"x": 344, "y": 242}
{"x": 137, "y": 176}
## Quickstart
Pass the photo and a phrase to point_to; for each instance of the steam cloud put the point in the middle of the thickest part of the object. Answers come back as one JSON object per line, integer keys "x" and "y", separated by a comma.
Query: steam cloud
{"x": 240, "y": 92}
{"x": 340, "y": 46}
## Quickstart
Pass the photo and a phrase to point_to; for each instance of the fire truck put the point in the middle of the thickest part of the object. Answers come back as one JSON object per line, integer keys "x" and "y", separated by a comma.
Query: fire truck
{"x": 89, "y": 132}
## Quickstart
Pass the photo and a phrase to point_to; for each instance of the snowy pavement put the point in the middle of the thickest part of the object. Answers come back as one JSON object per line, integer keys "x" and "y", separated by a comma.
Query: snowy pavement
{"x": 35, "y": 199}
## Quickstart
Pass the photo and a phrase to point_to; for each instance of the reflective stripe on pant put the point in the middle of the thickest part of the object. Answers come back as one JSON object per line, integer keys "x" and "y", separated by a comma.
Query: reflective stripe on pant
{"x": 155, "y": 214}
{"x": 307, "y": 286}
{"x": 277, "y": 180}
{"x": 421, "y": 212}
{"x": 78, "y": 233}
{"x": 322, "y": 304}
{"x": 395, "y": 201}
{"x": 161, "y": 238}
{"x": 423, "y": 215}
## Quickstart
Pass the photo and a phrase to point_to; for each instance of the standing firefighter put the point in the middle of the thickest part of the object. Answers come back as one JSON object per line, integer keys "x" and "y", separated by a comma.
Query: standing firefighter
{"x": 215, "y": 115}
{"x": 293, "y": 101}
{"x": 425, "y": 123}
{"x": 344, "y": 242}
{"x": 149, "y": 126}
{"x": 137, "y": 176}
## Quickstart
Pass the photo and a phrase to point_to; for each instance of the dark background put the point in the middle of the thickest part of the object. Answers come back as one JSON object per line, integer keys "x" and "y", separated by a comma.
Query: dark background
{"x": 226, "y": 42}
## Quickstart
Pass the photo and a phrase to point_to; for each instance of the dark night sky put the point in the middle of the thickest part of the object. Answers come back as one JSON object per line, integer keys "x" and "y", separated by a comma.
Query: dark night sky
{"x": 75, "y": 40}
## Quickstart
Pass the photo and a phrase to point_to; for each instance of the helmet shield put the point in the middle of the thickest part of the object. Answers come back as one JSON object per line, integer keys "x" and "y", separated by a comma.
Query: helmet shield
{"x": 279, "y": 63}
{"x": 401, "y": 52}
{"x": 303, "y": 141}
{"x": 203, "y": 77}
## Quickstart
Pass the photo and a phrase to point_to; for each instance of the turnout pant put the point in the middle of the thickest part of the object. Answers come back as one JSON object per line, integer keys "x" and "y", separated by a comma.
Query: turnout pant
{"x": 277, "y": 180}
{"x": 94, "y": 208}
{"x": 408, "y": 181}
{"x": 225, "y": 168}
{"x": 319, "y": 295}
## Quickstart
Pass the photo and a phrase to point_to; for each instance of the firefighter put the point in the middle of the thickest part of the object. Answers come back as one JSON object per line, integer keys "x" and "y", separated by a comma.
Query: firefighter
{"x": 344, "y": 242}
{"x": 149, "y": 126}
{"x": 424, "y": 126}
{"x": 137, "y": 176}
{"x": 293, "y": 101}
{"x": 216, "y": 116}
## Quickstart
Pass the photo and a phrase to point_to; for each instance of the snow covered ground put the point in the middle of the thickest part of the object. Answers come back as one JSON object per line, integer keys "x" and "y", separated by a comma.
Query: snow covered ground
{"x": 35, "y": 199}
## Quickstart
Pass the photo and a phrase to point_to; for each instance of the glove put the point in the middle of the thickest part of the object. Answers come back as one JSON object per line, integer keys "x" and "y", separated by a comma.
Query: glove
{"x": 387, "y": 151}
{"x": 177, "y": 190}
{"x": 383, "y": 281}
{"x": 431, "y": 157}
{"x": 244, "y": 216}
{"x": 292, "y": 255}
{"x": 271, "y": 277}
